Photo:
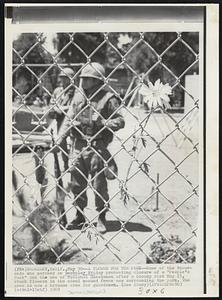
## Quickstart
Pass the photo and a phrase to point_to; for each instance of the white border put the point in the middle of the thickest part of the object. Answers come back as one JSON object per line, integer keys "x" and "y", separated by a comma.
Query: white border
{"x": 108, "y": 4}
{"x": 212, "y": 119}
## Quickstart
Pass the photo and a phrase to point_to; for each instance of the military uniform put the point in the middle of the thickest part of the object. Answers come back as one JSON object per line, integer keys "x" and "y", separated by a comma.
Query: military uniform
{"x": 63, "y": 98}
{"x": 85, "y": 161}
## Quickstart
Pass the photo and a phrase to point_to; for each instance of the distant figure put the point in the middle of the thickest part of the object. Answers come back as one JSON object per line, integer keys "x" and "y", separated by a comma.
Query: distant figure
{"x": 45, "y": 99}
{"x": 38, "y": 102}
{"x": 62, "y": 97}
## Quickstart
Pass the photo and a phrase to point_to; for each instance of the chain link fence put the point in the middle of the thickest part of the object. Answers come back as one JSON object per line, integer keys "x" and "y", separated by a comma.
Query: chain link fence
{"x": 153, "y": 201}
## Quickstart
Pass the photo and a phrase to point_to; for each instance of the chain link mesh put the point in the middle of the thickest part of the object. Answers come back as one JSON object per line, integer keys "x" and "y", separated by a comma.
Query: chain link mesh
{"x": 153, "y": 199}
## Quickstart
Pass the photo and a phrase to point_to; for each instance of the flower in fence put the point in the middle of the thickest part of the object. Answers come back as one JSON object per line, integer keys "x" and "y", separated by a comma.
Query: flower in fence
{"x": 156, "y": 94}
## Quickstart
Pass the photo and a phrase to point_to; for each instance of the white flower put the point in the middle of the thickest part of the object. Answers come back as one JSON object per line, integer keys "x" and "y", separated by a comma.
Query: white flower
{"x": 123, "y": 39}
{"x": 157, "y": 94}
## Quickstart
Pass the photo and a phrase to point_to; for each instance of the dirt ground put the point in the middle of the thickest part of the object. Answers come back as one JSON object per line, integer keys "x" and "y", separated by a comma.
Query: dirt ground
{"x": 143, "y": 226}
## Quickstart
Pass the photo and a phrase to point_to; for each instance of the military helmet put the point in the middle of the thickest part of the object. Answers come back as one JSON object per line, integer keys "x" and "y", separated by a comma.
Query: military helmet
{"x": 67, "y": 72}
{"x": 93, "y": 70}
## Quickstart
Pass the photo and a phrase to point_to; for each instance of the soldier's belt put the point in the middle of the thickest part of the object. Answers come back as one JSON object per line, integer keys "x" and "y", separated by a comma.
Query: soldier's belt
{"x": 80, "y": 142}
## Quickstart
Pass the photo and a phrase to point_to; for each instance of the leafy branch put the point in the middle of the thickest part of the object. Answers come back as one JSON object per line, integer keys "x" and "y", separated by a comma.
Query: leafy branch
{"x": 135, "y": 152}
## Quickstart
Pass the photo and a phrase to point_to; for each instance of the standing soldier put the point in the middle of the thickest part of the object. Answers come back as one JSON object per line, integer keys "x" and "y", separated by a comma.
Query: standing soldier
{"x": 62, "y": 97}
{"x": 90, "y": 121}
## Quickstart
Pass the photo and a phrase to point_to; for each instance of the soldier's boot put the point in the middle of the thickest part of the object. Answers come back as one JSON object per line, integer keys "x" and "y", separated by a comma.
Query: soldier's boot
{"x": 101, "y": 227}
{"x": 77, "y": 223}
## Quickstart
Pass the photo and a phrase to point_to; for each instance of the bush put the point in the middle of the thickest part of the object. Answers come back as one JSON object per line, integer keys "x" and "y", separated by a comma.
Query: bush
{"x": 162, "y": 250}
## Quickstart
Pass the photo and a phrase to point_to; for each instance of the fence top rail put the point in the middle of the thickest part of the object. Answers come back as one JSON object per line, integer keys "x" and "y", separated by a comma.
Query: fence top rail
{"x": 48, "y": 65}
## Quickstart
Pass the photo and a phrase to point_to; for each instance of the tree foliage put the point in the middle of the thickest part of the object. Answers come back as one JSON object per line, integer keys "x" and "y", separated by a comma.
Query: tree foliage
{"x": 80, "y": 45}
{"x": 29, "y": 47}
{"x": 24, "y": 43}
{"x": 145, "y": 54}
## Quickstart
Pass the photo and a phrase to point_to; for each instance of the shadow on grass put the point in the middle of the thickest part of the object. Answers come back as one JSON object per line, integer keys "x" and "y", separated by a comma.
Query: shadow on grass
{"x": 116, "y": 225}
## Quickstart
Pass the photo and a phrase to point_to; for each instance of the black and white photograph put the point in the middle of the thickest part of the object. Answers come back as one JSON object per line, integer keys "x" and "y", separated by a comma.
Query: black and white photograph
{"x": 111, "y": 143}
{"x": 105, "y": 147}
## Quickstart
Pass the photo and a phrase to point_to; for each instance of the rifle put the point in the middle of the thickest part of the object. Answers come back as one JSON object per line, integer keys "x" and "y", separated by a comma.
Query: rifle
{"x": 59, "y": 191}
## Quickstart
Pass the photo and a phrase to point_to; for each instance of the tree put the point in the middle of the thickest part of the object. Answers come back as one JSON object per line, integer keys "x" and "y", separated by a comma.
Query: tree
{"x": 81, "y": 46}
{"x": 145, "y": 54}
{"x": 23, "y": 79}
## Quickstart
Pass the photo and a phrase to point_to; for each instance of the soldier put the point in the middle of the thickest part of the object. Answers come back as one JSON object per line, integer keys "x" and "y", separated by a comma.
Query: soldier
{"x": 90, "y": 121}
{"x": 62, "y": 96}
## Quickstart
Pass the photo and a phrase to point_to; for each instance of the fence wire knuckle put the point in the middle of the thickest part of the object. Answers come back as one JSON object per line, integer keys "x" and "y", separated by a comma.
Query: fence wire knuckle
{"x": 43, "y": 196}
